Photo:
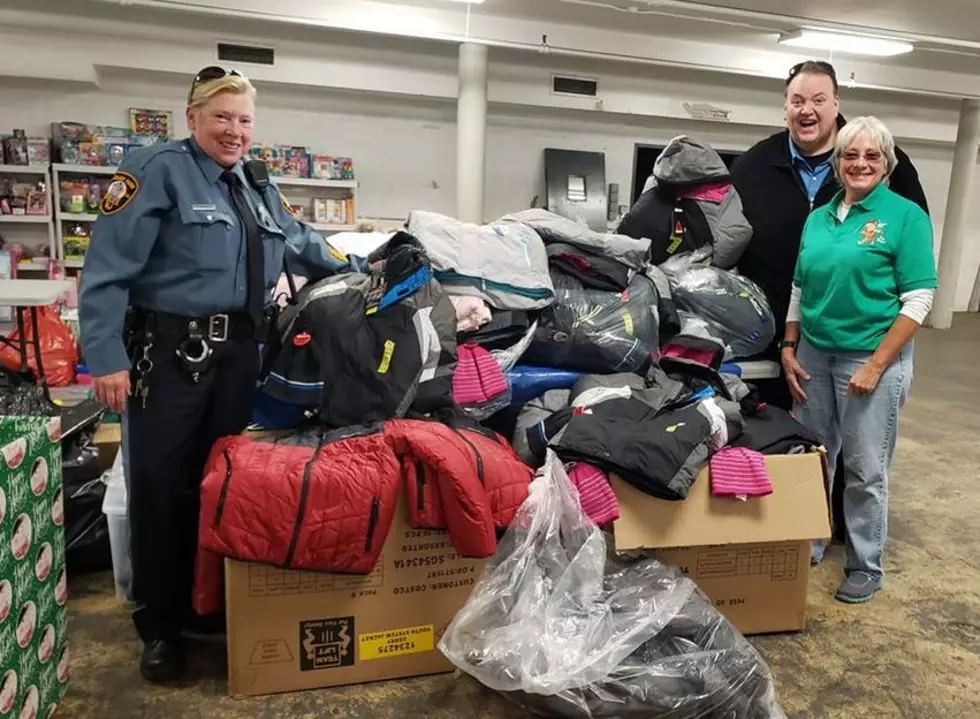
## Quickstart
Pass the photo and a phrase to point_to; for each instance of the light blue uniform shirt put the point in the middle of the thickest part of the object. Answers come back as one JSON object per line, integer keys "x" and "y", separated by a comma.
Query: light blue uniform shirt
{"x": 812, "y": 177}
{"x": 171, "y": 241}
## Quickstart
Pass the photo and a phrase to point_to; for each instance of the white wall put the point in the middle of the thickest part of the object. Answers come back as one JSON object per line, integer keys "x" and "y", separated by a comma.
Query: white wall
{"x": 403, "y": 144}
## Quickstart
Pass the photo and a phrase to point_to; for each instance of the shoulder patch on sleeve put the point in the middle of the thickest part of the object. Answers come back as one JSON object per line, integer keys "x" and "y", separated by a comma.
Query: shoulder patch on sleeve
{"x": 121, "y": 191}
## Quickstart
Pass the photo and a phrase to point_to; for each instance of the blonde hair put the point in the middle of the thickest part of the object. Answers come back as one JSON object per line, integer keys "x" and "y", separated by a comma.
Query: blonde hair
{"x": 202, "y": 93}
{"x": 879, "y": 134}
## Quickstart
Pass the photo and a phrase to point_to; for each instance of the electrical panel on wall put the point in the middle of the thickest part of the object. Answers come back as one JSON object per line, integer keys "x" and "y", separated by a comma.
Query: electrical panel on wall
{"x": 576, "y": 183}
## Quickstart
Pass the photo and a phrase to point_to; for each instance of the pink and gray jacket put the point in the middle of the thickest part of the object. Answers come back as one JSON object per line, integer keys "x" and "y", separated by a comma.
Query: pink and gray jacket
{"x": 690, "y": 204}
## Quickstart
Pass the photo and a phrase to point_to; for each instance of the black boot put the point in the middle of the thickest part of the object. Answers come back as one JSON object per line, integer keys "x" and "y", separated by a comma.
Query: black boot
{"x": 162, "y": 661}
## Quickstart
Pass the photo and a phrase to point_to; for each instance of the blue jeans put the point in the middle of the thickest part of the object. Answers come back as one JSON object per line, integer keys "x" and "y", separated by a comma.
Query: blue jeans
{"x": 865, "y": 429}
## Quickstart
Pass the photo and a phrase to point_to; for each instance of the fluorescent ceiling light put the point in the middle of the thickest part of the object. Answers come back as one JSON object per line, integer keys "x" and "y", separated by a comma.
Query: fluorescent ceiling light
{"x": 470, "y": 2}
{"x": 846, "y": 43}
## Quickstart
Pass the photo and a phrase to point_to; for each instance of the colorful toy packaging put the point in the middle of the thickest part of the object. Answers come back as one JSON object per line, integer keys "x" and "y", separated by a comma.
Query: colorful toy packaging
{"x": 298, "y": 161}
{"x": 83, "y": 195}
{"x": 155, "y": 125}
{"x": 76, "y": 241}
{"x": 33, "y": 584}
{"x": 270, "y": 156}
{"x": 19, "y": 149}
{"x": 326, "y": 167}
{"x": 21, "y": 197}
{"x": 100, "y": 145}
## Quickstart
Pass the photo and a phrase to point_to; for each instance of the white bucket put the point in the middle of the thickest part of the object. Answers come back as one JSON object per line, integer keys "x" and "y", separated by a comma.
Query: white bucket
{"x": 117, "y": 516}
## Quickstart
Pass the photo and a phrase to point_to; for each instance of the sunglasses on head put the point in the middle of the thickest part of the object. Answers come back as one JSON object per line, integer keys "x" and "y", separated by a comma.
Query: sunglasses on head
{"x": 212, "y": 72}
{"x": 823, "y": 65}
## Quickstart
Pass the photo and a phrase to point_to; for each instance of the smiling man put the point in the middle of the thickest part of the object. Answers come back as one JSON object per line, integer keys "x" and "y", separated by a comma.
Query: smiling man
{"x": 783, "y": 178}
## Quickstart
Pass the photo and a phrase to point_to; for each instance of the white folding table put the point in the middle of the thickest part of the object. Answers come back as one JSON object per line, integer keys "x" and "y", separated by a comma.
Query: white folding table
{"x": 759, "y": 369}
{"x": 29, "y": 295}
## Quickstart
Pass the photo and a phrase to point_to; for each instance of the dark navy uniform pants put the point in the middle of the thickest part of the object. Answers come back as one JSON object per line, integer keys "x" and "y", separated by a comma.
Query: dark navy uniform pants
{"x": 169, "y": 442}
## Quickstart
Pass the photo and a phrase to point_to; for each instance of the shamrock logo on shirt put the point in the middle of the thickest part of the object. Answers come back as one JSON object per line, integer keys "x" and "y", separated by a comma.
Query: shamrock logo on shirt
{"x": 873, "y": 233}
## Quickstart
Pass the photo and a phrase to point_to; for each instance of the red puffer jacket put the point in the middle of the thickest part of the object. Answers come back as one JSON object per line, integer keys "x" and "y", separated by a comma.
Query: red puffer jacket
{"x": 330, "y": 508}
{"x": 459, "y": 480}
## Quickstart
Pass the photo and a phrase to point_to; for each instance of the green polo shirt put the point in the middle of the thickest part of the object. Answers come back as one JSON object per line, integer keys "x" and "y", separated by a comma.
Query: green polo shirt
{"x": 852, "y": 273}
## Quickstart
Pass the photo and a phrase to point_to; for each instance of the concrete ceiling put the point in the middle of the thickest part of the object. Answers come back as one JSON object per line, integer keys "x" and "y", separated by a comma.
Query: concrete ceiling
{"x": 757, "y": 24}
{"x": 712, "y": 35}
{"x": 953, "y": 19}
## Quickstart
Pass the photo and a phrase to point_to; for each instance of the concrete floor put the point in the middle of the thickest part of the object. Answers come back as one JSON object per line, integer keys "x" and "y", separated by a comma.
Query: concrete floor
{"x": 914, "y": 653}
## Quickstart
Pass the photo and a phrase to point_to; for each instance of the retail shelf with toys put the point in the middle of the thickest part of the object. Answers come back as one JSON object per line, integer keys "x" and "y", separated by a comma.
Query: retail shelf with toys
{"x": 27, "y": 235}
{"x": 319, "y": 189}
{"x": 26, "y": 219}
{"x": 24, "y": 170}
{"x": 79, "y": 217}
{"x": 87, "y": 156}
{"x": 84, "y": 169}
{"x": 78, "y": 192}
{"x": 314, "y": 182}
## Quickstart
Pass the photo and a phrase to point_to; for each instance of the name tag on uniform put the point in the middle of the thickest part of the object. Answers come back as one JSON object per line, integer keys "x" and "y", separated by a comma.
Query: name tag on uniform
{"x": 204, "y": 208}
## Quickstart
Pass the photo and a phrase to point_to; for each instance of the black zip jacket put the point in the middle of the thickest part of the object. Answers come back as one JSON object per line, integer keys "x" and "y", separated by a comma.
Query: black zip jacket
{"x": 776, "y": 204}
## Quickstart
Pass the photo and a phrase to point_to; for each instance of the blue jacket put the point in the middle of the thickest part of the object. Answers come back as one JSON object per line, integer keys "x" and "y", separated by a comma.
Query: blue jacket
{"x": 169, "y": 239}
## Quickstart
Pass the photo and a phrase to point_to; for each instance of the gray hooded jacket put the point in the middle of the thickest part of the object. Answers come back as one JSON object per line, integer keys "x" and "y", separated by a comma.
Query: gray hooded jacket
{"x": 688, "y": 163}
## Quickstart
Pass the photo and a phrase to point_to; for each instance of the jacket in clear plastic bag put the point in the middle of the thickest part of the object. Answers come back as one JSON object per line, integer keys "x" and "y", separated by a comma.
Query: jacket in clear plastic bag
{"x": 732, "y": 308}
{"x": 597, "y": 330}
{"x": 563, "y": 628}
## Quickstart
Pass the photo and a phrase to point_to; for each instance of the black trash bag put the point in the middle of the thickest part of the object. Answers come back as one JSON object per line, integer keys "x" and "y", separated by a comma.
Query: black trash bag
{"x": 86, "y": 528}
{"x": 87, "y": 546}
{"x": 598, "y": 331}
{"x": 563, "y": 628}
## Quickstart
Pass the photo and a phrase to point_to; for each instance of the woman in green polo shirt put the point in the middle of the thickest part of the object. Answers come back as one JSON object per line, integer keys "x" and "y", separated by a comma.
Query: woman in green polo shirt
{"x": 864, "y": 283}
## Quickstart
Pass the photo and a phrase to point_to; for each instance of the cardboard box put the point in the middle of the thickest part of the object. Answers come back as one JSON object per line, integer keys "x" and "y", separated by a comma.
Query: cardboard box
{"x": 33, "y": 586}
{"x": 751, "y": 558}
{"x": 108, "y": 439}
{"x": 289, "y": 631}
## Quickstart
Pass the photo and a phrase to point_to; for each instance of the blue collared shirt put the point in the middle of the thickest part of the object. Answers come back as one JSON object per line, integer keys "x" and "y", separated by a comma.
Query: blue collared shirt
{"x": 812, "y": 177}
{"x": 169, "y": 239}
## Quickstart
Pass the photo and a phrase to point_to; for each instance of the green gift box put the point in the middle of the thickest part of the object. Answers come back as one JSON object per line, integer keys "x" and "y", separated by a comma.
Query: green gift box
{"x": 33, "y": 583}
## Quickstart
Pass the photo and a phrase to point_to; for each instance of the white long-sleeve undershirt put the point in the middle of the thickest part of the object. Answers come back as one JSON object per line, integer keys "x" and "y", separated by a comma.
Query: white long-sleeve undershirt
{"x": 916, "y": 304}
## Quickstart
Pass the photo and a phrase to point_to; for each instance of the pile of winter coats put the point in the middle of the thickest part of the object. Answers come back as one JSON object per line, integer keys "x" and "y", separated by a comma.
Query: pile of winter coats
{"x": 605, "y": 350}
{"x": 615, "y": 339}
{"x": 451, "y": 313}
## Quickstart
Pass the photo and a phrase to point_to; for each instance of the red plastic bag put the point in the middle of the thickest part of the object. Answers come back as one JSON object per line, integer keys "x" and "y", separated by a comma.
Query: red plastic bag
{"x": 58, "y": 354}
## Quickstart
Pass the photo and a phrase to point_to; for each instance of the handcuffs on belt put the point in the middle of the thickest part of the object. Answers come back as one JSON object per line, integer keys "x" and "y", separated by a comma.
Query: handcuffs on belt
{"x": 195, "y": 352}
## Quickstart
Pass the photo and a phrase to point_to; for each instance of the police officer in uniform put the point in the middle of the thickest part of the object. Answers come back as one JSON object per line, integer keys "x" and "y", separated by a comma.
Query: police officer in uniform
{"x": 175, "y": 295}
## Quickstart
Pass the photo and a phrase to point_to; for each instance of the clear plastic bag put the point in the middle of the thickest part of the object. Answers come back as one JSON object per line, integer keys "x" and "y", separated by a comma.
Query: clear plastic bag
{"x": 508, "y": 358}
{"x": 596, "y": 330}
{"x": 733, "y": 307}
{"x": 563, "y": 628}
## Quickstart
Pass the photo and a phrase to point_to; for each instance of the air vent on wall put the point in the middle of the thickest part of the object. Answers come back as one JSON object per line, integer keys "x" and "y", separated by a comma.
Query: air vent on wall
{"x": 574, "y": 86}
{"x": 246, "y": 53}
